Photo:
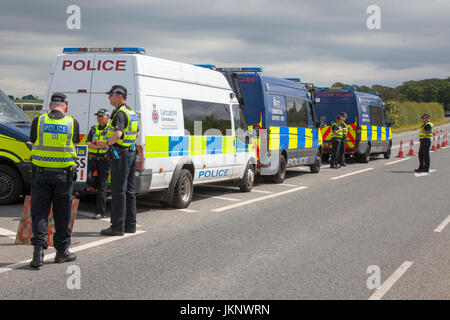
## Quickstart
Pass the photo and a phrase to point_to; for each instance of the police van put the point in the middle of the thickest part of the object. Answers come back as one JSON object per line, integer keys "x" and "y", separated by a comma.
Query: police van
{"x": 190, "y": 120}
{"x": 369, "y": 127}
{"x": 15, "y": 151}
{"x": 280, "y": 113}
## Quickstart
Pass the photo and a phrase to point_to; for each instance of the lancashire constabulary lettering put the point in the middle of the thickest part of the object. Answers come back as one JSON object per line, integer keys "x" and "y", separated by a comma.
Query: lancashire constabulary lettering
{"x": 228, "y": 310}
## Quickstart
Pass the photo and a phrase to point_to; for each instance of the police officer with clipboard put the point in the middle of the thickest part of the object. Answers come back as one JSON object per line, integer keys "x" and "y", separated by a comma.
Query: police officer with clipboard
{"x": 54, "y": 136}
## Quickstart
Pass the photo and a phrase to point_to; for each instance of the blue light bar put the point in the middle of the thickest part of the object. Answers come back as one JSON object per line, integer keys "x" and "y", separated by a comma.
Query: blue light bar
{"x": 374, "y": 93}
{"x": 244, "y": 69}
{"x": 72, "y": 50}
{"x": 293, "y": 79}
{"x": 323, "y": 88}
{"x": 207, "y": 66}
{"x": 130, "y": 50}
{"x": 349, "y": 88}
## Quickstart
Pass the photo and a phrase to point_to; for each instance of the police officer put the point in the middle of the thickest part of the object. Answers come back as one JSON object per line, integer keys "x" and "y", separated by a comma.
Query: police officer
{"x": 121, "y": 135}
{"x": 336, "y": 138}
{"x": 341, "y": 153}
{"x": 425, "y": 136}
{"x": 54, "y": 137}
{"x": 98, "y": 161}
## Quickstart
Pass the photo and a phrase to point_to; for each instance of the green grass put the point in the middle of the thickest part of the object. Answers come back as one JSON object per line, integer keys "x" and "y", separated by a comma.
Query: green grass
{"x": 412, "y": 127}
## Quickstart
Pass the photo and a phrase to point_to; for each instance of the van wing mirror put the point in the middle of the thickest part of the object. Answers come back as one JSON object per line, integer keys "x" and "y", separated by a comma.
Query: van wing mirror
{"x": 391, "y": 123}
{"x": 323, "y": 122}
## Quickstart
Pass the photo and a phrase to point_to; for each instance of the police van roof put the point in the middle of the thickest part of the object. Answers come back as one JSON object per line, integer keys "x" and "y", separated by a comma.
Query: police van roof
{"x": 348, "y": 90}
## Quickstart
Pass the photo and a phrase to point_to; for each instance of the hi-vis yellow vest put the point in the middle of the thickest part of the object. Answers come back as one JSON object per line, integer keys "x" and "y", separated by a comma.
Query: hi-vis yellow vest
{"x": 340, "y": 133}
{"x": 99, "y": 137}
{"x": 130, "y": 132}
{"x": 54, "y": 147}
{"x": 426, "y": 135}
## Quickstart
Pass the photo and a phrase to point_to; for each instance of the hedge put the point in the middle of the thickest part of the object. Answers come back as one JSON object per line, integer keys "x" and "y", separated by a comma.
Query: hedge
{"x": 409, "y": 112}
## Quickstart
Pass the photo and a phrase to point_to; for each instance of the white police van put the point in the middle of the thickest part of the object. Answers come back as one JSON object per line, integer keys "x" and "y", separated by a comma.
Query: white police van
{"x": 192, "y": 130}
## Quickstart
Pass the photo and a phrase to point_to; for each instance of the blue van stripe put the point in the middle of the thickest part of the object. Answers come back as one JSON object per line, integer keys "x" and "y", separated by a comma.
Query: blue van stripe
{"x": 315, "y": 138}
{"x": 284, "y": 138}
{"x": 379, "y": 133}
{"x": 178, "y": 146}
{"x": 387, "y": 134}
{"x": 301, "y": 139}
{"x": 369, "y": 133}
{"x": 214, "y": 145}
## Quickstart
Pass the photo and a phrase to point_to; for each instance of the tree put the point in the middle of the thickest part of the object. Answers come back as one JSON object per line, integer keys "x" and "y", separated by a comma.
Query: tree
{"x": 29, "y": 97}
{"x": 11, "y": 97}
{"x": 430, "y": 93}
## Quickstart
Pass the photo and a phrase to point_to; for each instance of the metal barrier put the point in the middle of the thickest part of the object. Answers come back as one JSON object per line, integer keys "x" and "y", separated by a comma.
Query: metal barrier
{"x": 31, "y": 109}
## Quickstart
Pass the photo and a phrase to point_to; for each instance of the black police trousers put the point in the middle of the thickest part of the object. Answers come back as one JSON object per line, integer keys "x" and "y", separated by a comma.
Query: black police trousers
{"x": 51, "y": 186}
{"x": 341, "y": 152}
{"x": 424, "y": 154}
{"x": 123, "y": 203}
{"x": 335, "y": 143}
{"x": 103, "y": 168}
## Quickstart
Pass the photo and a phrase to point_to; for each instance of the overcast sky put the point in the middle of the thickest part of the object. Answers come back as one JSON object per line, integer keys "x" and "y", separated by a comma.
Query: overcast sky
{"x": 321, "y": 41}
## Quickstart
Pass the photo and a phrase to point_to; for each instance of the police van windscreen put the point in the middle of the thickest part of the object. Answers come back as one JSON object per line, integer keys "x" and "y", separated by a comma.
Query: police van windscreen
{"x": 9, "y": 112}
{"x": 330, "y": 107}
{"x": 253, "y": 96}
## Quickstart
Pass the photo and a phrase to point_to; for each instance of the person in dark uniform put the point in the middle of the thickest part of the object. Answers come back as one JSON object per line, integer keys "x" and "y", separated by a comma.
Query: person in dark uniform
{"x": 336, "y": 139}
{"x": 425, "y": 136}
{"x": 54, "y": 137}
{"x": 341, "y": 153}
{"x": 122, "y": 134}
{"x": 99, "y": 163}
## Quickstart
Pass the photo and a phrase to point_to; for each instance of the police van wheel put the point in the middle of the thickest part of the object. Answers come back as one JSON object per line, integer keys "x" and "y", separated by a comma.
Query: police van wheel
{"x": 11, "y": 185}
{"x": 281, "y": 174}
{"x": 165, "y": 204}
{"x": 315, "y": 168}
{"x": 183, "y": 190}
{"x": 246, "y": 183}
{"x": 365, "y": 157}
{"x": 387, "y": 155}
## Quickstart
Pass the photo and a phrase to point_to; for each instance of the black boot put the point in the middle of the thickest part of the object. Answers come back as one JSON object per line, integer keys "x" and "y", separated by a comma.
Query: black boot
{"x": 38, "y": 257}
{"x": 64, "y": 256}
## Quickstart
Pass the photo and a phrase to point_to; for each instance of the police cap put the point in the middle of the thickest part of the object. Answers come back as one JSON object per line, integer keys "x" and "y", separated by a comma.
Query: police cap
{"x": 425, "y": 115}
{"x": 58, "y": 97}
{"x": 118, "y": 89}
{"x": 103, "y": 112}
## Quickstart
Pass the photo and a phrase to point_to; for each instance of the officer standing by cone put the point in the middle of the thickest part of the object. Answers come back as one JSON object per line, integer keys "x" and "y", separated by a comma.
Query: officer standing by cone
{"x": 122, "y": 133}
{"x": 341, "y": 153}
{"x": 99, "y": 161}
{"x": 54, "y": 137}
{"x": 425, "y": 136}
{"x": 336, "y": 139}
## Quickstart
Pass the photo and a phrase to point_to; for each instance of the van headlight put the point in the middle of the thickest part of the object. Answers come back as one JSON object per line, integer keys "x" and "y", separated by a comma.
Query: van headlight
{"x": 29, "y": 145}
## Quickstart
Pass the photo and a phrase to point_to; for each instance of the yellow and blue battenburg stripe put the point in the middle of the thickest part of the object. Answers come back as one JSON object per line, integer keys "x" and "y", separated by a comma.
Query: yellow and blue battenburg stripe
{"x": 177, "y": 146}
{"x": 375, "y": 133}
{"x": 294, "y": 138}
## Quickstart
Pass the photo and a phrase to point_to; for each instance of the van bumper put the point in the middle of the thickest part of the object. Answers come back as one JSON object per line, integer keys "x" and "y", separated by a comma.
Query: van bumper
{"x": 143, "y": 181}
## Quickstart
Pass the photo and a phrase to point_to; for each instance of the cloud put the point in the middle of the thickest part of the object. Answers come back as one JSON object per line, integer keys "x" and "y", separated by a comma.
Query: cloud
{"x": 321, "y": 41}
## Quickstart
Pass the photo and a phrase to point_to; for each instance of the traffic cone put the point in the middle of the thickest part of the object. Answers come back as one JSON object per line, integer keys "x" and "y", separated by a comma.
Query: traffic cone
{"x": 411, "y": 148}
{"x": 433, "y": 146}
{"x": 446, "y": 139}
{"x": 438, "y": 146}
{"x": 400, "y": 151}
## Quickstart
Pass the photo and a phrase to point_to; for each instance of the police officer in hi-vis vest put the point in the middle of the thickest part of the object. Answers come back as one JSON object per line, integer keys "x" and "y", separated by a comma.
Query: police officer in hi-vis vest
{"x": 54, "y": 137}
{"x": 336, "y": 138}
{"x": 122, "y": 133}
{"x": 341, "y": 153}
{"x": 99, "y": 163}
{"x": 425, "y": 136}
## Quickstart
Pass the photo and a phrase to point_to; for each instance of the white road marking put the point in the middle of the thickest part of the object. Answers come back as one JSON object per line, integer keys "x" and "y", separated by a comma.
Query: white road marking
{"x": 261, "y": 191}
{"x": 351, "y": 173}
{"x": 387, "y": 285}
{"x": 389, "y": 163}
{"x": 7, "y": 233}
{"x": 288, "y": 185}
{"x": 187, "y": 210}
{"x": 74, "y": 249}
{"x": 207, "y": 196}
{"x": 243, "y": 203}
{"x": 443, "y": 225}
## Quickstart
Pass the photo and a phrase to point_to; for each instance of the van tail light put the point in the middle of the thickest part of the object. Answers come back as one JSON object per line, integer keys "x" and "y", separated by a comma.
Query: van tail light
{"x": 140, "y": 161}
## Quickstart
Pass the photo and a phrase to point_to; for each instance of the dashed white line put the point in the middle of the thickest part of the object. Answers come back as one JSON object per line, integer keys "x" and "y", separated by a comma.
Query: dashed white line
{"x": 397, "y": 161}
{"x": 288, "y": 185}
{"x": 74, "y": 249}
{"x": 187, "y": 210}
{"x": 351, "y": 174}
{"x": 443, "y": 225}
{"x": 387, "y": 285}
{"x": 261, "y": 191}
{"x": 7, "y": 233}
{"x": 243, "y": 203}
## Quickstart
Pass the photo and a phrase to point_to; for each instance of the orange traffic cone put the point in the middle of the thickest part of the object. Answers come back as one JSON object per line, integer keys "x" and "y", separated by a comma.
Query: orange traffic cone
{"x": 411, "y": 148}
{"x": 446, "y": 140}
{"x": 433, "y": 146}
{"x": 438, "y": 146}
{"x": 401, "y": 154}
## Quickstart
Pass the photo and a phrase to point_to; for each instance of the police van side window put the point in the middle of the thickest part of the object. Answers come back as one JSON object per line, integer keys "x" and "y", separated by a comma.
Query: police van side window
{"x": 297, "y": 112}
{"x": 213, "y": 117}
{"x": 376, "y": 116}
{"x": 239, "y": 122}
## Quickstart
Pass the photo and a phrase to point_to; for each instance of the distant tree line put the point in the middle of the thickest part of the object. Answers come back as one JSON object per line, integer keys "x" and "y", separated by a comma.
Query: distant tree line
{"x": 427, "y": 90}
{"x": 27, "y": 97}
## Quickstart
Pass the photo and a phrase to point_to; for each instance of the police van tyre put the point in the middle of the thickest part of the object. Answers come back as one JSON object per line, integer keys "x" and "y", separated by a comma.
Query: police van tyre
{"x": 246, "y": 183}
{"x": 365, "y": 157}
{"x": 11, "y": 185}
{"x": 387, "y": 155}
{"x": 281, "y": 174}
{"x": 184, "y": 189}
{"x": 315, "y": 168}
